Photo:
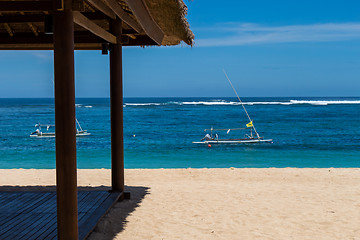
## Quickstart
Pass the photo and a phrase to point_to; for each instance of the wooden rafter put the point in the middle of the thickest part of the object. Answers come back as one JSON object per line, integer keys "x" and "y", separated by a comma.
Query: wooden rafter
{"x": 9, "y": 30}
{"x": 78, "y": 5}
{"x": 146, "y": 21}
{"x": 87, "y": 40}
{"x": 26, "y": 6}
{"x": 102, "y": 7}
{"x": 33, "y": 18}
{"x": 86, "y": 23}
{"x": 30, "y": 14}
{"x": 132, "y": 36}
{"x": 31, "y": 26}
{"x": 114, "y": 5}
{"x": 33, "y": 29}
{"x": 89, "y": 7}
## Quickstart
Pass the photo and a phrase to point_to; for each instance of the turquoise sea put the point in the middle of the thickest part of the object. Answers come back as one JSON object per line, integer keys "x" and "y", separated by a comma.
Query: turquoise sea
{"x": 306, "y": 132}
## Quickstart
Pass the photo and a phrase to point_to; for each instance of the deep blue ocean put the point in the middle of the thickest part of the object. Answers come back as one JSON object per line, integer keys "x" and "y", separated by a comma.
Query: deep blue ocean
{"x": 306, "y": 132}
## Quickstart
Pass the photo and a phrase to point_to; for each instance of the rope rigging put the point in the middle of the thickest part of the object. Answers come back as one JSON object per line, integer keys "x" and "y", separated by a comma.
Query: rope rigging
{"x": 247, "y": 114}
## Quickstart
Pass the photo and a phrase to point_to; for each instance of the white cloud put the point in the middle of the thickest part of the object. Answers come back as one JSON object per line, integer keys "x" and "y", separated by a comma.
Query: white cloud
{"x": 237, "y": 34}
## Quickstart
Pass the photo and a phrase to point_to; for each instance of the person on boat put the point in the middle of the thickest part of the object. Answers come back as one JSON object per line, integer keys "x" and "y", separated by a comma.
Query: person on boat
{"x": 37, "y": 132}
{"x": 207, "y": 137}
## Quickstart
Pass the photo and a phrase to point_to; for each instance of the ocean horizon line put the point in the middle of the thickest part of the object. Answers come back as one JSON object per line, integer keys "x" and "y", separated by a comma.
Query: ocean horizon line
{"x": 154, "y": 97}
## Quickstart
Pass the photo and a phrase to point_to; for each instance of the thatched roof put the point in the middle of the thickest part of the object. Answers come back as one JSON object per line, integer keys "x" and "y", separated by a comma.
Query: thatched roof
{"x": 145, "y": 22}
{"x": 171, "y": 17}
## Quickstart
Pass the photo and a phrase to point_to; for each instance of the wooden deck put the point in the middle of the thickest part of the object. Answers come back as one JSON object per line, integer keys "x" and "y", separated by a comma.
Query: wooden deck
{"x": 32, "y": 215}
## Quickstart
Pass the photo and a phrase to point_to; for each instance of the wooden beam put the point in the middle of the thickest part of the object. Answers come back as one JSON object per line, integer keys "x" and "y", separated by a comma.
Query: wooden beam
{"x": 33, "y": 18}
{"x": 59, "y": 5}
{"x": 115, "y": 6}
{"x": 86, "y": 23}
{"x": 78, "y": 46}
{"x": 102, "y": 7}
{"x": 26, "y": 6}
{"x": 9, "y": 30}
{"x": 78, "y": 5}
{"x": 146, "y": 21}
{"x": 65, "y": 129}
{"x": 49, "y": 46}
{"x": 21, "y": 18}
{"x": 33, "y": 29}
{"x": 131, "y": 36}
{"x": 31, "y": 26}
{"x": 128, "y": 31}
{"x": 141, "y": 40}
{"x": 88, "y": 6}
{"x": 116, "y": 109}
{"x": 22, "y": 40}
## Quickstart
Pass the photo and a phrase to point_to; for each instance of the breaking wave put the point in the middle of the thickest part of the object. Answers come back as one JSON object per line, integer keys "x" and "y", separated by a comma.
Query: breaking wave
{"x": 226, "y": 103}
{"x": 145, "y": 104}
{"x": 319, "y": 102}
{"x": 80, "y": 106}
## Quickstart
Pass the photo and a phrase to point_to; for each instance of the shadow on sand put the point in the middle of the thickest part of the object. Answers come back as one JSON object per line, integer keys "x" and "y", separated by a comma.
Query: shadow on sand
{"x": 115, "y": 221}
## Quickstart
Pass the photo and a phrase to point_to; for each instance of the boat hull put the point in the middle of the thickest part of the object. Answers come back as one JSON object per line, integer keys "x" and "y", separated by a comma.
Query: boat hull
{"x": 235, "y": 141}
{"x": 52, "y": 135}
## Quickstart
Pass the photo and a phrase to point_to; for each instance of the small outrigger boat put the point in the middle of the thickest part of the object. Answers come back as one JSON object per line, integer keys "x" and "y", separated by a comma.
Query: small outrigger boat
{"x": 248, "y": 138}
{"x": 47, "y": 134}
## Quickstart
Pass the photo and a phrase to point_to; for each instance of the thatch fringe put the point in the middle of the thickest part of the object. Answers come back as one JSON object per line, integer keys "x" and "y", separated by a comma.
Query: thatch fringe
{"x": 170, "y": 15}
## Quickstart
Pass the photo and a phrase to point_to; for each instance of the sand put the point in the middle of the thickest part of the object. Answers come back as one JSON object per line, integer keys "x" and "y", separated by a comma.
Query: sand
{"x": 230, "y": 203}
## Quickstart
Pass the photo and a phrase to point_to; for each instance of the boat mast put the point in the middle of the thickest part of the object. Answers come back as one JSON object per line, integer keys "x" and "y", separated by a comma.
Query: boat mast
{"x": 78, "y": 124}
{"x": 241, "y": 104}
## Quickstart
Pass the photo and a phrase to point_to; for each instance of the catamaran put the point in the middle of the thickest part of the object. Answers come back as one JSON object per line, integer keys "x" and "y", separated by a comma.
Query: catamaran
{"x": 39, "y": 133}
{"x": 251, "y": 137}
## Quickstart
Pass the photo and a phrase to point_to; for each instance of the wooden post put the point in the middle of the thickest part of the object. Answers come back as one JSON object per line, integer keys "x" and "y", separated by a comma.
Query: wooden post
{"x": 116, "y": 102}
{"x": 66, "y": 181}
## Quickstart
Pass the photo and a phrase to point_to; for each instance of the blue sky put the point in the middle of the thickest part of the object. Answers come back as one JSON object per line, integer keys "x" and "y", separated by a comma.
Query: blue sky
{"x": 268, "y": 48}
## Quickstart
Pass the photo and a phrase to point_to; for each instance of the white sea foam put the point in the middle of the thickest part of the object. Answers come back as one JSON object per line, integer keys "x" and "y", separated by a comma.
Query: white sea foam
{"x": 319, "y": 102}
{"x": 227, "y": 103}
{"x": 266, "y": 103}
{"x": 290, "y": 102}
{"x": 80, "y": 105}
{"x": 211, "y": 103}
{"x": 144, "y": 104}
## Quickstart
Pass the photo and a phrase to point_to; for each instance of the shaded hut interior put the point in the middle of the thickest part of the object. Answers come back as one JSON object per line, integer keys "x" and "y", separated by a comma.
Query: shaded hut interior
{"x": 27, "y": 25}
{"x": 65, "y": 26}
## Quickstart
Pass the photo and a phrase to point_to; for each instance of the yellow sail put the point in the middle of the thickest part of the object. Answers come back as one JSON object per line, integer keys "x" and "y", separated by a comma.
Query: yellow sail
{"x": 250, "y": 124}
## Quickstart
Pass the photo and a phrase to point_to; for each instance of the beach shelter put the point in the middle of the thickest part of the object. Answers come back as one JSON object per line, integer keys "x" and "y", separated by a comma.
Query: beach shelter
{"x": 107, "y": 25}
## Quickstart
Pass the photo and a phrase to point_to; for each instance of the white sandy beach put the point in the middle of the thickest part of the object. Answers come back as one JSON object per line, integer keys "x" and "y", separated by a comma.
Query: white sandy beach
{"x": 228, "y": 203}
